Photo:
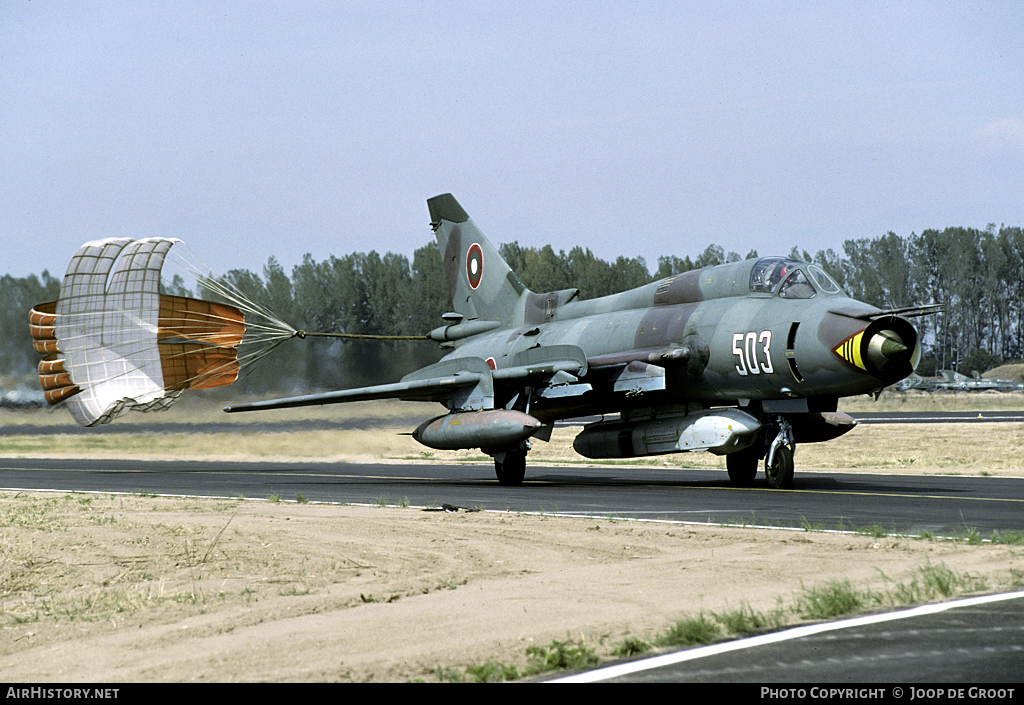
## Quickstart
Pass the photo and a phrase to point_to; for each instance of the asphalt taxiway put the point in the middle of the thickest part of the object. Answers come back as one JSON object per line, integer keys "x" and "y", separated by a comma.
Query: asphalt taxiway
{"x": 936, "y": 504}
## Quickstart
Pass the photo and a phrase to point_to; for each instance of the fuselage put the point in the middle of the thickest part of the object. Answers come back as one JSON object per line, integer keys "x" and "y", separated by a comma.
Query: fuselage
{"x": 745, "y": 335}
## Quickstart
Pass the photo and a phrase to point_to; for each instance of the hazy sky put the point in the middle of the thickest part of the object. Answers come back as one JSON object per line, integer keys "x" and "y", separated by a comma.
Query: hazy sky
{"x": 250, "y": 129}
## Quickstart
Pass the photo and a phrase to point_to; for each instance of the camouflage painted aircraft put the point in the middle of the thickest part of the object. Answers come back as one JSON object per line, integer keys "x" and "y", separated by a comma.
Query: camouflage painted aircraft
{"x": 955, "y": 381}
{"x": 918, "y": 383}
{"x": 745, "y": 360}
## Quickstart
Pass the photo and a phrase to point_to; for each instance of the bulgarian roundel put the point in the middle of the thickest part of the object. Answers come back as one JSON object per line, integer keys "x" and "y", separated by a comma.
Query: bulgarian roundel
{"x": 474, "y": 265}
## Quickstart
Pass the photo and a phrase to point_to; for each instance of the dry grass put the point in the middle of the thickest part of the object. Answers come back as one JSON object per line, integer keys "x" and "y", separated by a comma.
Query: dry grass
{"x": 992, "y": 448}
{"x": 1014, "y": 371}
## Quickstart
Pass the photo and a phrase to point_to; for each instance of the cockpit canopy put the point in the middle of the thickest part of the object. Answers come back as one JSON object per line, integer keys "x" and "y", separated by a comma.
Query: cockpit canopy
{"x": 799, "y": 280}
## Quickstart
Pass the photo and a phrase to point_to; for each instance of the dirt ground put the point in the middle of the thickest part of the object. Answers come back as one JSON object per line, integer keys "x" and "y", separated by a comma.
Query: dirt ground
{"x": 102, "y": 588}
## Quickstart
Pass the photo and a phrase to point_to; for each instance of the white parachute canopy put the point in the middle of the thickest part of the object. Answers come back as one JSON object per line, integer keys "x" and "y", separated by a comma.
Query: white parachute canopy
{"x": 115, "y": 340}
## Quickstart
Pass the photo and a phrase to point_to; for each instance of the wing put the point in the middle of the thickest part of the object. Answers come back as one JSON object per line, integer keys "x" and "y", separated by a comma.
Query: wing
{"x": 430, "y": 389}
{"x": 463, "y": 383}
{"x": 553, "y": 371}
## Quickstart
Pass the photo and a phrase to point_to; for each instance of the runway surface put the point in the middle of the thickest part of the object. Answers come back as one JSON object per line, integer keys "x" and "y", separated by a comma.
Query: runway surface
{"x": 939, "y": 417}
{"x": 941, "y": 505}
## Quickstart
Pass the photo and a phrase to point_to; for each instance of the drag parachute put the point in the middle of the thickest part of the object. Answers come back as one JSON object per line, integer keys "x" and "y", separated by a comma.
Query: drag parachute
{"x": 115, "y": 341}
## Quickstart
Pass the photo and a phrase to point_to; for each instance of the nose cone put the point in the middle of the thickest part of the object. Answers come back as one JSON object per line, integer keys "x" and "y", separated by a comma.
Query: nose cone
{"x": 885, "y": 349}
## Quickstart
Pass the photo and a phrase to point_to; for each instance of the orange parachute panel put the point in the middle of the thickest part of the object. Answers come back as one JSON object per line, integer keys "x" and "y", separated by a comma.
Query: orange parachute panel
{"x": 48, "y": 382}
{"x": 198, "y": 343}
{"x": 190, "y": 366}
{"x": 43, "y": 314}
{"x": 53, "y": 377}
{"x": 203, "y": 321}
{"x": 56, "y": 396}
{"x": 41, "y": 320}
{"x": 51, "y": 365}
{"x": 45, "y": 347}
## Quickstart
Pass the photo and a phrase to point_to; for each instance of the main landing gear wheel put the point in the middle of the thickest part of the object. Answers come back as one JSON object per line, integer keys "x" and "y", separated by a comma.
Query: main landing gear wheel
{"x": 742, "y": 466}
{"x": 780, "y": 470}
{"x": 512, "y": 469}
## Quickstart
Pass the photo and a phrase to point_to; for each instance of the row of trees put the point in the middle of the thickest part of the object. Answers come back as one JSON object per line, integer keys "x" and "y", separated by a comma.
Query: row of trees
{"x": 976, "y": 274}
{"x": 17, "y": 296}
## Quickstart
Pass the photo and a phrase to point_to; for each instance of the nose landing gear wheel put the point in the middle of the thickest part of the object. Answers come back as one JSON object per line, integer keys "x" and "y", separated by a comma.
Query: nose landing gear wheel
{"x": 780, "y": 471}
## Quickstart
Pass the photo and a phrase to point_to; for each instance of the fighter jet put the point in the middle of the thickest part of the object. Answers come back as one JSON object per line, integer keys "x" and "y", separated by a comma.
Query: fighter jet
{"x": 1000, "y": 385}
{"x": 746, "y": 359}
{"x": 955, "y": 381}
{"x": 918, "y": 383}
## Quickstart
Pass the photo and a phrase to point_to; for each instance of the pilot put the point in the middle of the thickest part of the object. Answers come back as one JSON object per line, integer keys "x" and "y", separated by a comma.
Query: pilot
{"x": 796, "y": 287}
{"x": 777, "y": 275}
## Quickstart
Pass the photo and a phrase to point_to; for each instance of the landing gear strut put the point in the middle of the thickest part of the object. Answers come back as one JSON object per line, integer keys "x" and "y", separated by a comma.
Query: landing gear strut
{"x": 780, "y": 470}
{"x": 778, "y": 466}
{"x": 510, "y": 464}
{"x": 778, "y": 455}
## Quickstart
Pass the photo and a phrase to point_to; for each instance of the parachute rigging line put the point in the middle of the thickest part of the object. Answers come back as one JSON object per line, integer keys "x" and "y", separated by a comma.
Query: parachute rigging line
{"x": 357, "y": 336}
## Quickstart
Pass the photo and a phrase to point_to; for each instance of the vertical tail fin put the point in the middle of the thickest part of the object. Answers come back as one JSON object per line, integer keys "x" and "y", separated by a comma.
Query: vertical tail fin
{"x": 481, "y": 283}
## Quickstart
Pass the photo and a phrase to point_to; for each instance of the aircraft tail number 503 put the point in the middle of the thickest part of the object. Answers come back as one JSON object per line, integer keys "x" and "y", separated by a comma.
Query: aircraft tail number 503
{"x": 744, "y": 346}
